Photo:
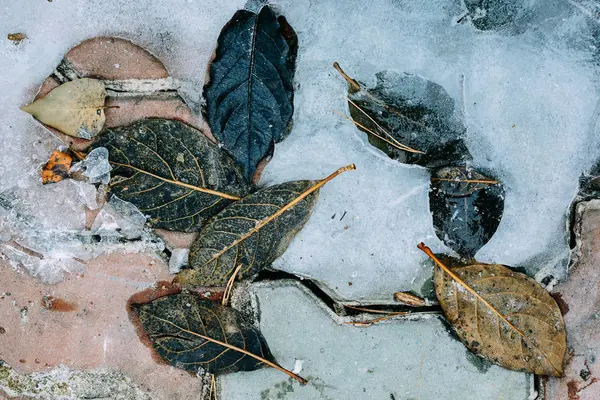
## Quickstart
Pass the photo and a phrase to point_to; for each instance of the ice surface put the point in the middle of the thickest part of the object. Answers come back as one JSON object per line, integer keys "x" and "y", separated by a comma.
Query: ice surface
{"x": 95, "y": 166}
{"x": 120, "y": 218}
{"x": 178, "y": 260}
{"x": 87, "y": 193}
{"x": 528, "y": 100}
{"x": 409, "y": 359}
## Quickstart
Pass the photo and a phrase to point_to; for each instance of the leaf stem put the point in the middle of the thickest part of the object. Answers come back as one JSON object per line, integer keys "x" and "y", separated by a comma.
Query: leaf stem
{"x": 405, "y": 148}
{"x": 371, "y": 310}
{"x": 352, "y": 82}
{"x": 383, "y": 130}
{"x": 229, "y": 287}
{"x": 371, "y": 321}
{"x": 178, "y": 183}
{"x": 213, "y": 387}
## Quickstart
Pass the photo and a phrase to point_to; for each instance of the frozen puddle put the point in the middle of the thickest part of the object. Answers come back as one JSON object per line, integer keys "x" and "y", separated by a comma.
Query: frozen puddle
{"x": 529, "y": 103}
{"x": 397, "y": 360}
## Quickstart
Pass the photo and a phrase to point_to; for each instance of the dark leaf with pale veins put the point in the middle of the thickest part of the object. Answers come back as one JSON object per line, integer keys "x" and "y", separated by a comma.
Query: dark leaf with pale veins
{"x": 180, "y": 326}
{"x": 508, "y": 16}
{"x": 502, "y": 315}
{"x": 408, "y": 110}
{"x": 466, "y": 207}
{"x": 216, "y": 252}
{"x": 249, "y": 96}
{"x": 252, "y": 232}
{"x": 171, "y": 172}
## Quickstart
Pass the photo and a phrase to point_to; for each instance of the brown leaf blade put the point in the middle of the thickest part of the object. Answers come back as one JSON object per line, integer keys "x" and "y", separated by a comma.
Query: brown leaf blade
{"x": 502, "y": 315}
{"x": 75, "y": 108}
{"x": 252, "y": 232}
{"x": 195, "y": 334}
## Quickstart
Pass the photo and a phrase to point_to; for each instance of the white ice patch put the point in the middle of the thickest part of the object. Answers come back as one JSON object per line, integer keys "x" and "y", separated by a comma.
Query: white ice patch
{"x": 95, "y": 166}
{"x": 530, "y": 103}
{"x": 178, "y": 260}
{"x": 120, "y": 218}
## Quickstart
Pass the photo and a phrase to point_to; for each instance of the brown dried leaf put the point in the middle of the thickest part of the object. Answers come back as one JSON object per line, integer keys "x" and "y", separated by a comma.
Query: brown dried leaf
{"x": 252, "y": 232}
{"x": 502, "y": 315}
{"x": 409, "y": 299}
{"x": 195, "y": 334}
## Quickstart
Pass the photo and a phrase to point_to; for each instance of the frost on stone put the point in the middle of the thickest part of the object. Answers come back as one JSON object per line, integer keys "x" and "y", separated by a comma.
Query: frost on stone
{"x": 95, "y": 166}
{"x": 121, "y": 218}
{"x": 178, "y": 260}
{"x": 67, "y": 384}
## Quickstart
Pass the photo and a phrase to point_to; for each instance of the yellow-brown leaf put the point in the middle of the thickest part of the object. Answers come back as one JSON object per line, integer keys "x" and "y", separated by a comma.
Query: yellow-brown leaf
{"x": 75, "y": 108}
{"x": 502, "y": 315}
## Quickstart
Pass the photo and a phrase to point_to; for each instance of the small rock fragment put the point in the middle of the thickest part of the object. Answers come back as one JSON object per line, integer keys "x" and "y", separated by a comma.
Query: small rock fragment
{"x": 16, "y": 37}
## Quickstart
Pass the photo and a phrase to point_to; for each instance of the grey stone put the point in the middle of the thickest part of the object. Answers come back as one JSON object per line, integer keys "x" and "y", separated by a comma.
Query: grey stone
{"x": 402, "y": 359}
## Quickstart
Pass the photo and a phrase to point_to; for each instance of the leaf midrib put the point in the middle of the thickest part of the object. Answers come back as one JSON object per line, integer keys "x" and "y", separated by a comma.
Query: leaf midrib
{"x": 179, "y": 183}
{"x": 283, "y": 209}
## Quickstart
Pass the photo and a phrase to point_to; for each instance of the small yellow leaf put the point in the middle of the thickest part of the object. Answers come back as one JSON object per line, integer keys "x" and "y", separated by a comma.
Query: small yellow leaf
{"x": 75, "y": 108}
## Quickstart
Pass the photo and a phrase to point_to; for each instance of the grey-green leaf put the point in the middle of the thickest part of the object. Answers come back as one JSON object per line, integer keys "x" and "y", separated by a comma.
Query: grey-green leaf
{"x": 408, "y": 110}
{"x": 179, "y": 327}
{"x": 171, "y": 172}
{"x": 237, "y": 235}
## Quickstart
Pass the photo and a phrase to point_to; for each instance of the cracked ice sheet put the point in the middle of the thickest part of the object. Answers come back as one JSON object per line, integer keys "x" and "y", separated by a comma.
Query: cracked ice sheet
{"x": 181, "y": 33}
{"x": 530, "y": 106}
{"x": 409, "y": 359}
{"x": 540, "y": 82}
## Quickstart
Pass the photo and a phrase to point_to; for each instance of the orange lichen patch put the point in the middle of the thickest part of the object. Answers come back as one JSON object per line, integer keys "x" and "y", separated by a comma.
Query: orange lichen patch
{"x": 56, "y": 304}
{"x": 57, "y": 168}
